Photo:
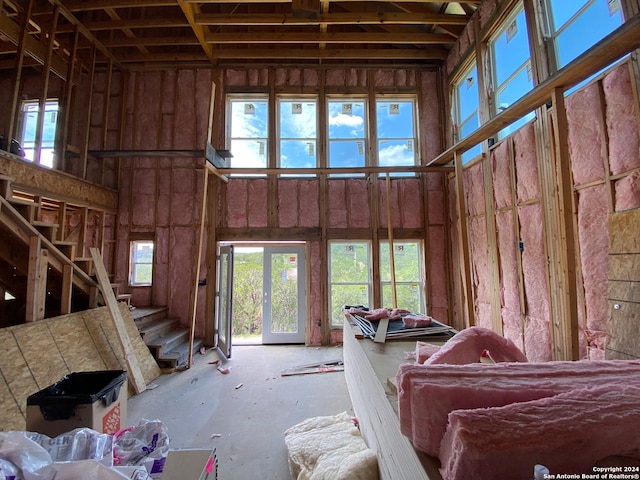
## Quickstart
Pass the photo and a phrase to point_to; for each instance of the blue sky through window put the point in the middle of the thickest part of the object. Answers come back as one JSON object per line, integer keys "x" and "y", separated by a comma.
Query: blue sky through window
{"x": 396, "y": 132}
{"x": 347, "y": 133}
{"x": 298, "y": 133}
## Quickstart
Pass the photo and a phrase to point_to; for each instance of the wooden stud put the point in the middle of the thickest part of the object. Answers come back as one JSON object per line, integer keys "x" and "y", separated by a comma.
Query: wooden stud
{"x": 67, "y": 287}
{"x": 87, "y": 119}
{"x": 466, "y": 290}
{"x": 64, "y": 120}
{"x": 31, "y": 306}
{"x": 568, "y": 237}
{"x": 196, "y": 280}
{"x": 135, "y": 374}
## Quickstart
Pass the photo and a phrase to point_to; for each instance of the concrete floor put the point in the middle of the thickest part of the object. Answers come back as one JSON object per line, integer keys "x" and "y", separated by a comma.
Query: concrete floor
{"x": 251, "y": 419}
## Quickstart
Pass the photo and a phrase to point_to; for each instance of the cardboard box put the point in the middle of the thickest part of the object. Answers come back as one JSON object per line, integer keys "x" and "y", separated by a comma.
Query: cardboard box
{"x": 96, "y": 400}
{"x": 191, "y": 464}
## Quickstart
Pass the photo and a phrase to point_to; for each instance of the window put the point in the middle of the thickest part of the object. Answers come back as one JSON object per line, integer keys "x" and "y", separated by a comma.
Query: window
{"x": 30, "y": 110}
{"x": 347, "y": 132}
{"x": 349, "y": 277}
{"x": 141, "y": 263}
{"x": 466, "y": 104}
{"x": 407, "y": 260}
{"x": 511, "y": 62}
{"x": 577, "y": 25}
{"x": 248, "y": 131}
{"x": 396, "y": 132}
{"x": 297, "y": 128}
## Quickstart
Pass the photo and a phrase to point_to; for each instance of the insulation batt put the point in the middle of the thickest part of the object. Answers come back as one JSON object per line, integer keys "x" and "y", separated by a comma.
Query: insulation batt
{"x": 428, "y": 393}
{"x": 468, "y": 346}
{"x": 424, "y": 350}
{"x": 416, "y": 321}
{"x": 329, "y": 448}
{"x": 567, "y": 433}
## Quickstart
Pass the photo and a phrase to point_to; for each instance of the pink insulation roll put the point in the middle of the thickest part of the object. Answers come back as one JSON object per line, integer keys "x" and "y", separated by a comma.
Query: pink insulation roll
{"x": 524, "y": 148}
{"x": 568, "y": 433}
{"x": 428, "y": 393}
{"x": 501, "y": 165}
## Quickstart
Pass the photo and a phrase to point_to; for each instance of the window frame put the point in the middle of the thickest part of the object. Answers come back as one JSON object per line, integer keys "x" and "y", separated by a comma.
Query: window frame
{"x": 133, "y": 263}
{"x": 231, "y": 99}
{"x": 331, "y": 283}
{"x": 526, "y": 66}
{"x": 296, "y": 99}
{"x": 28, "y": 145}
{"x": 346, "y": 99}
{"x": 413, "y": 141}
{"x": 456, "y": 113}
{"x": 420, "y": 281}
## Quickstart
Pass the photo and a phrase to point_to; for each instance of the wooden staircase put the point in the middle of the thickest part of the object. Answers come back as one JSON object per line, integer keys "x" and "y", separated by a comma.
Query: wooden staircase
{"x": 167, "y": 340}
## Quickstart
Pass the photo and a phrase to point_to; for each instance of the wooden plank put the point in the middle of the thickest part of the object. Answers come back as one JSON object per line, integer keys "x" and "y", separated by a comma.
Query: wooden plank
{"x": 492, "y": 246}
{"x": 623, "y": 232}
{"x": 379, "y": 424}
{"x": 105, "y": 287}
{"x": 193, "y": 304}
{"x": 466, "y": 302}
{"x": 624, "y": 266}
{"x": 67, "y": 288}
{"x": 32, "y": 279}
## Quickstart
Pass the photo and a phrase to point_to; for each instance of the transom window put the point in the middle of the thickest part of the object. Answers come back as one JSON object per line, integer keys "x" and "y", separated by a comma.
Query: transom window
{"x": 347, "y": 130}
{"x": 511, "y": 61}
{"x": 248, "y": 131}
{"x": 396, "y": 132}
{"x": 577, "y": 25}
{"x": 466, "y": 105}
{"x": 298, "y": 132}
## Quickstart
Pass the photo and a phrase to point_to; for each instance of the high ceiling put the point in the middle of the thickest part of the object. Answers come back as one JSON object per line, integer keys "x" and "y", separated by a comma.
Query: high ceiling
{"x": 147, "y": 33}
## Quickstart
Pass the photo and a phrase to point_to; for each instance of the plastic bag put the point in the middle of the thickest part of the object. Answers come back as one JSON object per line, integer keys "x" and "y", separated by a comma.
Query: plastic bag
{"x": 23, "y": 453}
{"x": 78, "y": 444}
{"x": 77, "y": 470}
{"x": 144, "y": 444}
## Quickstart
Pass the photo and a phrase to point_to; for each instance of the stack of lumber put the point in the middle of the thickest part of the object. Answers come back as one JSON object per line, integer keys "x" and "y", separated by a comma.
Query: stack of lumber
{"x": 498, "y": 421}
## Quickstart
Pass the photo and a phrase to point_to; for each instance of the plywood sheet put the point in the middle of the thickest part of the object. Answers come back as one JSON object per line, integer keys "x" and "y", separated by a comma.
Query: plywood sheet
{"x": 623, "y": 232}
{"x": 36, "y": 355}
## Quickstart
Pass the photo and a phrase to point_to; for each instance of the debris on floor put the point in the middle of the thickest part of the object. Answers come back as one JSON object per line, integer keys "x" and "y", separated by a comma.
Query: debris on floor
{"x": 322, "y": 367}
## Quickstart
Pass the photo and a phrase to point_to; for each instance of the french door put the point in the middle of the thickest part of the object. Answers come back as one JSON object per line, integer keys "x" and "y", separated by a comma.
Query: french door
{"x": 284, "y": 307}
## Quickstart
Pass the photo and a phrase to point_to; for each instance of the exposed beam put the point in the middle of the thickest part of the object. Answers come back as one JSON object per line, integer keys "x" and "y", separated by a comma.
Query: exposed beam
{"x": 368, "y": 18}
{"x": 298, "y": 53}
{"x": 470, "y": 2}
{"x": 169, "y": 22}
{"x": 614, "y": 46}
{"x": 150, "y": 41}
{"x": 77, "y": 6}
{"x": 190, "y": 10}
{"x": 334, "y": 37}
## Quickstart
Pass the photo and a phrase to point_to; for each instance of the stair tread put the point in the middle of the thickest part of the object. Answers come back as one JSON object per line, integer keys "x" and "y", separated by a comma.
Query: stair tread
{"x": 166, "y": 338}
{"x": 181, "y": 352}
{"x": 148, "y": 330}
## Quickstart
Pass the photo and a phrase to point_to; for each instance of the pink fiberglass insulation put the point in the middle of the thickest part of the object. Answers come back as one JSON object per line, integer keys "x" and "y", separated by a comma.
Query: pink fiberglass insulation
{"x": 437, "y": 274}
{"x": 337, "y": 203}
{"x": 435, "y": 207}
{"x": 235, "y": 77}
{"x": 143, "y": 211}
{"x": 584, "y": 116}
{"x": 257, "y": 204}
{"x": 568, "y": 433}
{"x": 184, "y": 125}
{"x": 621, "y": 121}
{"x": 392, "y": 198}
{"x": 507, "y": 253}
{"x": 411, "y": 204}
{"x": 537, "y": 338}
{"x": 384, "y": 78}
{"x": 526, "y": 162}
{"x": 236, "y": 198}
{"x": 315, "y": 307}
{"x": 593, "y": 234}
{"x": 429, "y": 118}
{"x": 428, "y": 393}
{"x": 474, "y": 189}
{"x": 358, "y": 197}
{"x": 627, "y": 192}
{"x": 202, "y": 91}
{"x": 501, "y": 175}
{"x": 479, "y": 263}
{"x": 147, "y": 120}
{"x": 181, "y": 270}
{"x": 512, "y": 327}
{"x": 287, "y": 203}
{"x": 308, "y": 208}
{"x": 534, "y": 263}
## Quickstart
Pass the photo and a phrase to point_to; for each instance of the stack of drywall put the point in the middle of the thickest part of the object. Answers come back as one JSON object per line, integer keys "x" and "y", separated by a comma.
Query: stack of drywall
{"x": 432, "y": 396}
